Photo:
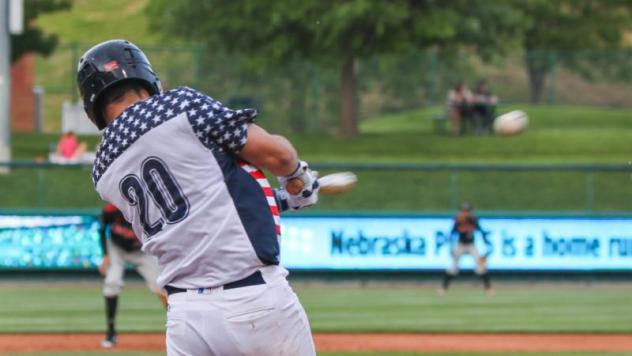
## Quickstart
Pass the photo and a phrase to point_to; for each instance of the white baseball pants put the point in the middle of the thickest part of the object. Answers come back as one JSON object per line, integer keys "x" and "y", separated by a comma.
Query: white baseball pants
{"x": 463, "y": 249}
{"x": 146, "y": 265}
{"x": 258, "y": 320}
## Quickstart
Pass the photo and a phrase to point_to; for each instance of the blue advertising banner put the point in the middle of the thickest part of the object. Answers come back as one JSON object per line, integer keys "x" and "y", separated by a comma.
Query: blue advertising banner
{"x": 43, "y": 242}
{"x": 420, "y": 243}
{"x": 363, "y": 242}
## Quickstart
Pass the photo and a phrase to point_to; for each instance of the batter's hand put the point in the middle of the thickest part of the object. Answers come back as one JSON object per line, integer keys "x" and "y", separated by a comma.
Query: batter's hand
{"x": 105, "y": 263}
{"x": 286, "y": 201}
{"x": 308, "y": 195}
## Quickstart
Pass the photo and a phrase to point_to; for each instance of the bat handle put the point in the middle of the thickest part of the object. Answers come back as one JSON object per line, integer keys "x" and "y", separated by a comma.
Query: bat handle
{"x": 294, "y": 186}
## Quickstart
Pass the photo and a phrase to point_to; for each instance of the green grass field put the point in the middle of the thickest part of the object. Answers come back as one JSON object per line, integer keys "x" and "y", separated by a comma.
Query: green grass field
{"x": 600, "y": 308}
{"x": 83, "y": 20}
{"x": 335, "y": 308}
{"x": 556, "y": 134}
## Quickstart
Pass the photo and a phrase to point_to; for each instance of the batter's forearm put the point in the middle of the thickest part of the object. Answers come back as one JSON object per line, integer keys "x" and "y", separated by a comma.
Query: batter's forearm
{"x": 271, "y": 152}
{"x": 286, "y": 161}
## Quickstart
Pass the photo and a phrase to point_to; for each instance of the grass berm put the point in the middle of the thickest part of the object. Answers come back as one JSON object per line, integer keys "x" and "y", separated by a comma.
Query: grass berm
{"x": 555, "y": 135}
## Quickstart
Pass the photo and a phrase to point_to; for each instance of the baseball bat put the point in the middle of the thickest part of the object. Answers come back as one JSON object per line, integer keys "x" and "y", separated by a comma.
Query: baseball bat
{"x": 334, "y": 183}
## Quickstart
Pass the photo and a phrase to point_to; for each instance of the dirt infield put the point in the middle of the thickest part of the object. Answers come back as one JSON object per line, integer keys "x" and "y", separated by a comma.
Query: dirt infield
{"x": 350, "y": 342}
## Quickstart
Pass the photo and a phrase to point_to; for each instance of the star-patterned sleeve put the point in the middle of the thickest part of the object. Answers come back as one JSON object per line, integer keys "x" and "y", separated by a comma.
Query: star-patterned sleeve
{"x": 218, "y": 126}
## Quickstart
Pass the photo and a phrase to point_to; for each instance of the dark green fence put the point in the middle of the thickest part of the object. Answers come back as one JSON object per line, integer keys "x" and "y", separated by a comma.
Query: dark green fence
{"x": 388, "y": 188}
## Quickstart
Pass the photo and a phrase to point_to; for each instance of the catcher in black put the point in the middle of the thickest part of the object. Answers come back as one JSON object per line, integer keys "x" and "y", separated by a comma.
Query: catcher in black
{"x": 465, "y": 226}
{"x": 122, "y": 247}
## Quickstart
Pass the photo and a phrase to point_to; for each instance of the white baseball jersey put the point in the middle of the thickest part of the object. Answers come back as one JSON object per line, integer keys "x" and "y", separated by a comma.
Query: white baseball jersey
{"x": 170, "y": 164}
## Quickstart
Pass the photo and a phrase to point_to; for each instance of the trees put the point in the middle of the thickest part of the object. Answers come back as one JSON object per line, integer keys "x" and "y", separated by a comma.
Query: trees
{"x": 562, "y": 25}
{"x": 337, "y": 33}
{"x": 33, "y": 39}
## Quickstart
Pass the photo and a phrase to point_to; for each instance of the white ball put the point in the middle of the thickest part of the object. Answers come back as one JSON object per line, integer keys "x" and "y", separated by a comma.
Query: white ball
{"x": 511, "y": 123}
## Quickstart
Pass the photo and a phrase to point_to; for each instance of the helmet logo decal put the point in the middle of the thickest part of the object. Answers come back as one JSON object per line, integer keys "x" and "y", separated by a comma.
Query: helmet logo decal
{"x": 110, "y": 66}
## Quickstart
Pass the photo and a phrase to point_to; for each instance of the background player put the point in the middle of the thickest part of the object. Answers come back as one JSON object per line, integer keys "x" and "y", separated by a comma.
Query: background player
{"x": 122, "y": 247}
{"x": 183, "y": 169}
{"x": 465, "y": 226}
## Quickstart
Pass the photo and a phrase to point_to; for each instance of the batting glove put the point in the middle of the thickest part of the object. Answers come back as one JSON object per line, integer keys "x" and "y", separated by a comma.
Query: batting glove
{"x": 308, "y": 196}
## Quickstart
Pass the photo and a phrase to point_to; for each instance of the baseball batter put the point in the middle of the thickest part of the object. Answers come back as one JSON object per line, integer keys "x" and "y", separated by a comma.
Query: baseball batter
{"x": 184, "y": 170}
{"x": 122, "y": 247}
{"x": 465, "y": 226}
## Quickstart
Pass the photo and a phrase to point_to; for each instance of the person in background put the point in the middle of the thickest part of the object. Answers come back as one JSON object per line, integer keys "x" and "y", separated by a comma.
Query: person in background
{"x": 465, "y": 225}
{"x": 121, "y": 247}
{"x": 459, "y": 102}
{"x": 484, "y": 108}
{"x": 69, "y": 147}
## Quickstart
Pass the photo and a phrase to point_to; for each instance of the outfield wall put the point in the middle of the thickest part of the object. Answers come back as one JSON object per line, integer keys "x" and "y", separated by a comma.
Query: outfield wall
{"x": 358, "y": 243}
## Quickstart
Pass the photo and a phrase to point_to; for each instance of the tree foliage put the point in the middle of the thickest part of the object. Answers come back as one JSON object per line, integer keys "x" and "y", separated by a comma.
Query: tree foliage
{"x": 557, "y": 27}
{"x": 33, "y": 39}
{"x": 337, "y": 33}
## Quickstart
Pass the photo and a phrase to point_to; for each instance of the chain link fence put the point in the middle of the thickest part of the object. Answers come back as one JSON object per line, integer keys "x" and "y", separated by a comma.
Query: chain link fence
{"x": 386, "y": 188}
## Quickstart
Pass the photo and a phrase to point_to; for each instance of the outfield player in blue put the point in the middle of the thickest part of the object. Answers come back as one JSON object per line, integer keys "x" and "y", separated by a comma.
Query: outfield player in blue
{"x": 185, "y": 171}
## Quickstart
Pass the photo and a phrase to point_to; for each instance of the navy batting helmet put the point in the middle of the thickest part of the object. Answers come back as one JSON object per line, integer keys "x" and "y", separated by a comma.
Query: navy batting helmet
{"x": 109, "y": 63}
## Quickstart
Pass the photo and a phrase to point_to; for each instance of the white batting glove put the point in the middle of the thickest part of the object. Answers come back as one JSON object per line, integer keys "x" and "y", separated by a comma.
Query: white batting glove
{"x": 308, "y": 196}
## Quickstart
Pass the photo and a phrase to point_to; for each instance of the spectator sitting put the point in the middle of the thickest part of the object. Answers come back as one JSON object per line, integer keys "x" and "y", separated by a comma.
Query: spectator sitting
{"x": 69, "y": 149}
{"x": 484, "y": 107}
{"x": 459, "y": 101}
